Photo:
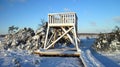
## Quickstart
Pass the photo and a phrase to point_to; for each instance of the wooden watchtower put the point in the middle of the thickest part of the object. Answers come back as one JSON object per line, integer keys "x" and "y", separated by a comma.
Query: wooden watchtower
{"x": 66, "y": 23}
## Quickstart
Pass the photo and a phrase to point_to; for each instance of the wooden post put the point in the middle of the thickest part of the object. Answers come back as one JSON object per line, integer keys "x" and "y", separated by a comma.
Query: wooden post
{"x": 46, "y": 38}
{"x": 76, "y": 42}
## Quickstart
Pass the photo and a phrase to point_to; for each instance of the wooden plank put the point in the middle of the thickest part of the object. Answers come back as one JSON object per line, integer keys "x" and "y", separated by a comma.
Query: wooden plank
{"x": 60, "y": 53}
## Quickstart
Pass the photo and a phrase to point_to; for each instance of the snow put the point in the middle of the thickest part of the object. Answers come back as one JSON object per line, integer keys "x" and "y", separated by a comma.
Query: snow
{"x": 95, "y": 59}
{"x": 91, "y": 58}
{"x": 60, "y": 62}
{"x": 115, "y": 56}
{"x": 23, "y": 58}
{"x": 13, "y": 58}
{"x": 1, "y": 39}
{"x": 88, "y": 59}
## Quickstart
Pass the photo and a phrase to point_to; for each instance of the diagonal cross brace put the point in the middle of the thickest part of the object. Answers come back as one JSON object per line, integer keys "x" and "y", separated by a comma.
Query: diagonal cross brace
{"x": 68, "y": 36}
{"x": 49, "y": 39}
{"x": 59, "y": 37}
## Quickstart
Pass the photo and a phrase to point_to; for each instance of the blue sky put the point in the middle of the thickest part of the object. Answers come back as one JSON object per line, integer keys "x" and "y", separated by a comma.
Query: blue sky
{"x": 94, "y": 16}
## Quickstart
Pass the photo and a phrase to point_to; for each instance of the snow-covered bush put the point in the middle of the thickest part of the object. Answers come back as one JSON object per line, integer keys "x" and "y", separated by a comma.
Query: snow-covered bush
{"x": 18, "y": 39}
{"x": 27, "y": 39}
{"x": 108, "y": 41}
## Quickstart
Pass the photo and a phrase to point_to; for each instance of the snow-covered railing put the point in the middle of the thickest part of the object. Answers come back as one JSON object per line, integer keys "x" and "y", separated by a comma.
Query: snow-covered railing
{"x": 67, "y": 18}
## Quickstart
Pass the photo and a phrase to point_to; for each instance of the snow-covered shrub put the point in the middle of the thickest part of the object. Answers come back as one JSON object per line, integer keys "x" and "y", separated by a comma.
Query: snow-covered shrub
{"x": 27, "y": 39}
{"x": 18, "y": 38}
{"x": 108, "y": 41}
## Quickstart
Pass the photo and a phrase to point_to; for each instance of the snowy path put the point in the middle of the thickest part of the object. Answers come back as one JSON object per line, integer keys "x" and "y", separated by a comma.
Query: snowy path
{"x": 92, "y": 58}
{"x": 88, "y": 59}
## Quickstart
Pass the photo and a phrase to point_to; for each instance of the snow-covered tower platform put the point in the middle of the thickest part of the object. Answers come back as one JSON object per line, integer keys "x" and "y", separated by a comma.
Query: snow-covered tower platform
{"x": 67, "y": 22}
{"x": 63, "y": 25}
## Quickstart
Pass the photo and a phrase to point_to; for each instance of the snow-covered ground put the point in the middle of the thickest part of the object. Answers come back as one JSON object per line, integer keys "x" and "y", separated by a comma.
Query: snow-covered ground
{"x": 94, "y": 59}
{"x": 88, "y": 59}
{"x": 17, "y": 58}
{"x": 22, "y": 58}
{"x": 115, "y": 56}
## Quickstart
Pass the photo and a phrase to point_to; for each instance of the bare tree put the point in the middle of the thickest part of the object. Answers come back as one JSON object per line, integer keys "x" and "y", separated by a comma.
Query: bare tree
{"x": 12, "y": 29}
{"x": 42, "y": 23}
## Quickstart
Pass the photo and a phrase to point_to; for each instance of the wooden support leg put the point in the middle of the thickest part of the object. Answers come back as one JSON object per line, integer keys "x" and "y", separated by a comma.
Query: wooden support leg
{"x": 77, "y": 37}
{"x": 59, "y": 38}
{"x": 76, "y": 42}
{"x": 46, "y": 38}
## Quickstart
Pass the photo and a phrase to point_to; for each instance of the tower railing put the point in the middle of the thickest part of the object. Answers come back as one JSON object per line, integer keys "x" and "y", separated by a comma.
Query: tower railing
{"x": 62, "y": 19}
